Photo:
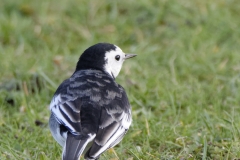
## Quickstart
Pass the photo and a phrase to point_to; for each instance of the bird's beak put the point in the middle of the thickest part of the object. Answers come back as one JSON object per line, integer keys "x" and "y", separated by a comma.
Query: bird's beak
{"x": 127, "y": 56}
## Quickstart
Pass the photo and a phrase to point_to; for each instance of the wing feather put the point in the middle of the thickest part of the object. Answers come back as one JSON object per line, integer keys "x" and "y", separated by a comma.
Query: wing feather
{"x": 110, "y": 135}
{"x": 67, "y": 113}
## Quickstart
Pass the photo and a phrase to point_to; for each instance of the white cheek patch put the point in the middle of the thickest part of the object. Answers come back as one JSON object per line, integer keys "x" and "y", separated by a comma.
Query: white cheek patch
{"x": 113, "y": 66}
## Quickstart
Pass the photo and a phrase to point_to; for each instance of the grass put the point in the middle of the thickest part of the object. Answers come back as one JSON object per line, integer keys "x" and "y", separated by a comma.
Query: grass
{"x": 184, "y": 85}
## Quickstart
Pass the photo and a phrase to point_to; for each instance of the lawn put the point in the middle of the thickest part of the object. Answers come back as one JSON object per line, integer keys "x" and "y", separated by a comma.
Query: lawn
{"x": 184, "y": 85}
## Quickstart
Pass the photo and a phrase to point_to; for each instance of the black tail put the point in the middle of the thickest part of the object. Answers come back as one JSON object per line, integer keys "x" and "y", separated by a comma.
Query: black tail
{"x": 74, "y": 146}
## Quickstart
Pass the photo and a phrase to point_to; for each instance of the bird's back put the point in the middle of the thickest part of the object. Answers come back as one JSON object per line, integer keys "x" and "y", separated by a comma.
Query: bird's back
{"x": 90, "y": 101}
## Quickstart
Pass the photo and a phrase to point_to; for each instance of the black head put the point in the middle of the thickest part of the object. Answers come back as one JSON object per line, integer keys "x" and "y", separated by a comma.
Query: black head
{"x": 94, "y": 56}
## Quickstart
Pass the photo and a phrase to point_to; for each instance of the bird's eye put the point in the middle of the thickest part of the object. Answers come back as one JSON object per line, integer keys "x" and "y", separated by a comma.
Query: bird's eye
{"x": 117, "y": 57}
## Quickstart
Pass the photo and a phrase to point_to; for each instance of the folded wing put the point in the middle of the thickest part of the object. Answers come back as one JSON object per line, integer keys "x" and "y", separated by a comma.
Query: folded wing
{"x": 113, "y": 126}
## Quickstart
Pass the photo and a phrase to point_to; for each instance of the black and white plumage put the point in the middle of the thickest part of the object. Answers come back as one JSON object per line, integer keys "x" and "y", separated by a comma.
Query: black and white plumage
{"x": 90, "y": 112}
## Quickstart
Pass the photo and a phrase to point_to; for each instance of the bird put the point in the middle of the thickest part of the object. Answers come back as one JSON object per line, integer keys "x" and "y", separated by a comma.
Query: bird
{"x": 90, "y": 112}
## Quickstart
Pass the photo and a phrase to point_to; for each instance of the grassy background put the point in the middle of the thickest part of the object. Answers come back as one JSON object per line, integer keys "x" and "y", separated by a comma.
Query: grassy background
{"x": 184, "y": 85}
